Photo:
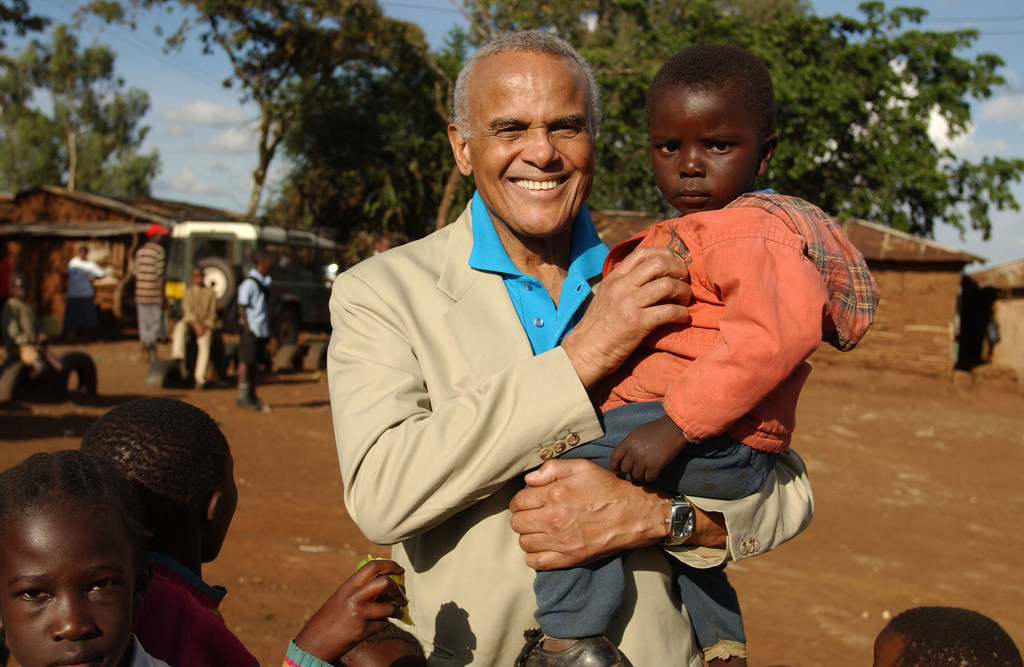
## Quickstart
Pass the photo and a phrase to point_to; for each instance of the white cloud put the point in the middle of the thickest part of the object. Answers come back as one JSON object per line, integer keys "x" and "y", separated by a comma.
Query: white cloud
{"x": 1004, "y": 108}
{"x": 202, "y": 112}
{"x": 186, "y": 181}
{"x": 177, "y": 130}
{"x": 967, "y": 145}
{"x": 233, "y": 140}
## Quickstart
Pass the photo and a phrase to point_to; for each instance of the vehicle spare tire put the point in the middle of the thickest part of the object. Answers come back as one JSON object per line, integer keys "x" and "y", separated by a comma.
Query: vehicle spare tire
{"x": 218, "y": 274}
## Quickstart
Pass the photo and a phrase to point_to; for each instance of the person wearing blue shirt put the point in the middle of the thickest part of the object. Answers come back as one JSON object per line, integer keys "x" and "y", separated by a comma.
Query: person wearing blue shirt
{"x": 254, "y": 319}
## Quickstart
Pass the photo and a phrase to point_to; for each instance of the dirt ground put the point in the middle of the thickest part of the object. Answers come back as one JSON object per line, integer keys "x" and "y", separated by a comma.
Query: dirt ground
{"x": 917, "y": 483}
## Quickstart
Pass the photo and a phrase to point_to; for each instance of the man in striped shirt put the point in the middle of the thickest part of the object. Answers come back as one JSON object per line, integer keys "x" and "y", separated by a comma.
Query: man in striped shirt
{"x": 149, "y": 288}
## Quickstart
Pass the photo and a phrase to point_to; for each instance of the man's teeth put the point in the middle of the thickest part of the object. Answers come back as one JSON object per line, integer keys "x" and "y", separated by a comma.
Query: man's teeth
{"x": 536, "y": 185}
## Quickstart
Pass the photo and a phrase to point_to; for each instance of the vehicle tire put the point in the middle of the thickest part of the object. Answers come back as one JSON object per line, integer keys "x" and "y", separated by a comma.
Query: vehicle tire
{"x": 316, "y": 356}
{"x": 218, "y": 274}
{"x": 12, "y": 381}
{"x": 163, "y": 371}
{"x": 81, "y": 365}
{"x": 286, "y": 328}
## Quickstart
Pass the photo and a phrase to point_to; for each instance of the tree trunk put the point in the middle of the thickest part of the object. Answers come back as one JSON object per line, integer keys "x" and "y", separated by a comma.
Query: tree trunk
{"x": 72, "y": 160}
{"x": 447, "y": 198}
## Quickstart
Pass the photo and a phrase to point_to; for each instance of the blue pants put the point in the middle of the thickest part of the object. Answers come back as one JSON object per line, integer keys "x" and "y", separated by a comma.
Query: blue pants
{"x": 581, "y": 601}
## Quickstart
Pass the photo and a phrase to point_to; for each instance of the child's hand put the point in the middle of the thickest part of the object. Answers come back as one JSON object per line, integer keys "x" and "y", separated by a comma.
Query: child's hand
{"x": 645, "y": 452}
{"x": 360, "y": 607}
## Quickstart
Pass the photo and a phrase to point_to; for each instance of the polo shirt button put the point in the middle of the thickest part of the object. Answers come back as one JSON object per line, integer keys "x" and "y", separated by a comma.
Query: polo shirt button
{"x": 559, "y": 447}
{"x": 538, "y": 322}
{"x": 528, "y": 287}
{"x": 572, "y": 439}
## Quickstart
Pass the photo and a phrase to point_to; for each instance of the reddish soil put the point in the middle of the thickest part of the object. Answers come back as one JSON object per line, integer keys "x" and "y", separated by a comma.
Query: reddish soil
{"x": 917, "y": 484}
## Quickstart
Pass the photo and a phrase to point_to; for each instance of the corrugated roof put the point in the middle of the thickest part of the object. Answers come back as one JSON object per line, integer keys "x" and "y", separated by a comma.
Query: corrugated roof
{"x": 1003, "y": 276}
{"x": 75, "y": 229}
{"x": 147, "y": 209}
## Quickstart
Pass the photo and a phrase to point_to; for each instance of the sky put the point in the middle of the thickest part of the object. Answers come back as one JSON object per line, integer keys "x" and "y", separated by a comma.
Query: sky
{"x": 206, "y": 136}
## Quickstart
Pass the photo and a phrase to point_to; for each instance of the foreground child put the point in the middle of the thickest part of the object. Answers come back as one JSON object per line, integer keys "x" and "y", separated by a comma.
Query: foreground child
{"x": 72, "y": 566}
{"x": 179, "y": 461}
{"x": 705, "y": 408}
{"x": 926, "y": 636}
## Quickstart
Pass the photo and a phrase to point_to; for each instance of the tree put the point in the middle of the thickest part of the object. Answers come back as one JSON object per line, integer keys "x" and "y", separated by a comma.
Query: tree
{"x": 369, "y": 151}
{"x": 14, "y": 16}
{"x": 281, "y": 52}
{"x": 855, "y": 98}
{"x": 91, "y": 138}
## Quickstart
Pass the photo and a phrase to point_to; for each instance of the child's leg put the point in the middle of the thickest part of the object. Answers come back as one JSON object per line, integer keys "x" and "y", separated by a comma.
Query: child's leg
{"x": 716, "y": 468}
{"x": 714, "y": 610}
{"x": 581, "y": 601}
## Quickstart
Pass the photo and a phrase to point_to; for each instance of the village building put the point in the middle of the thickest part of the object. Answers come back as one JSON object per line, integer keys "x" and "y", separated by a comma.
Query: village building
{"x": 992, "y": 320}
{"x": 43, "y": 228}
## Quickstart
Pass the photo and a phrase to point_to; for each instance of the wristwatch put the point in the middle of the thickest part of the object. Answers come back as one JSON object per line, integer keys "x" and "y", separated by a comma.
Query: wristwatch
{"x": 680, "y": 521}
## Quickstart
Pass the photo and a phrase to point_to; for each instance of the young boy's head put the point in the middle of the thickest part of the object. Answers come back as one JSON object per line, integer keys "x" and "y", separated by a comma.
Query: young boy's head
{"x": 72, "y": 564}
{"x": 711, "y": 121}
{"x": 180, "y": 462}
{"x": 944, "y": 636}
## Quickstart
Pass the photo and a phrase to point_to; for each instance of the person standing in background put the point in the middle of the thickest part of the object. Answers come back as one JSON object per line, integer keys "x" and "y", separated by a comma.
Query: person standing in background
{"x": 80, "y": 306}
{"x": 149, "y": 288}
{"x": 5, "y": 275}
{"x": 199, "y": 313}
{"x": 254, "y": 316}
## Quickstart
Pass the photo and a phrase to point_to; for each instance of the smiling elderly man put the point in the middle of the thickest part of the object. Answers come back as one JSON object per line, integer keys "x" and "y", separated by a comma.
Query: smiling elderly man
{"x": 462, "y": 360}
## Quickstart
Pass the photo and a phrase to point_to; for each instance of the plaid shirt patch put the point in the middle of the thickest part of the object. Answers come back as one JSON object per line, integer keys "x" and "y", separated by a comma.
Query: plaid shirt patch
{"x": 851, "y": 288}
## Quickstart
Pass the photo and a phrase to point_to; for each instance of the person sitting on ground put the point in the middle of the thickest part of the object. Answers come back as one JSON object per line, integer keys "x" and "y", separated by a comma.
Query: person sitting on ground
{"x": 199, "y": 313}
{"x": 23, "y": 340}
{"x": 705, "y": 408}
{"x": 72, "y": 561}
{"x": 929, "y": 636}
{"x": 180, "y": 463}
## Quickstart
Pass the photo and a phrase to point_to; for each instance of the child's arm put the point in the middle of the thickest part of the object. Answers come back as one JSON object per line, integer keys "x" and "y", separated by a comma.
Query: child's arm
{"x": 360, "y": 607}
{"x": 645, "y": 452}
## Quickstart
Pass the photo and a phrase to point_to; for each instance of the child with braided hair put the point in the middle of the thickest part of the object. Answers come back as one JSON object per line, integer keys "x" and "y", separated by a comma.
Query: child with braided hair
{"x": 179, "y": 461}
{"x": 72, "y": 563}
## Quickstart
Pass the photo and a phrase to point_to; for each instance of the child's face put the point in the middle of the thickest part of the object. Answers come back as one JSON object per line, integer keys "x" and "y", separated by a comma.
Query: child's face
{"x": 705, "y": 148}
{"x": 67, "y": 584}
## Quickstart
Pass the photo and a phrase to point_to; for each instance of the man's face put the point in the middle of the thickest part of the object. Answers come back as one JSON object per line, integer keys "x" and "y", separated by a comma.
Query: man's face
{"x": 197, "y": 277}
{"x": 67, "y": 586}
{"x": 531, "y": 149}
{"x": 705, "y": 148}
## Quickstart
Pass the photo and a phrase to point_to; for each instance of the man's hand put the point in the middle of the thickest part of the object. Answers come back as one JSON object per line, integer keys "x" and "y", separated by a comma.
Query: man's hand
{"x": 575, "y": 512}
{"x": 198, "y": 329}
{"x": 644, "y": 453}
{"x": 359, "y": 608}
{"x": 646, "y": 290}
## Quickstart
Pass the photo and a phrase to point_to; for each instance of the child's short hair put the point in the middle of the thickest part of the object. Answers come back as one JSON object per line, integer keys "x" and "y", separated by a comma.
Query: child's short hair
{"x": 73, "y": 476}
{"x": 714, "y": 67}
{"x": 173, "y": 452}
{"x": 952, "y": 636}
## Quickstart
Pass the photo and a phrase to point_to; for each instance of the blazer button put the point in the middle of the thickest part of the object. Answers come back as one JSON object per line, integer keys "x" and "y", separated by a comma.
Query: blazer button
{"x": 546, "y": 454}
{"x": 755, "y": 545}
{"x": 743, "y": 548}
{"x": 559, "y": 447}
{"x": 572, "y": 439}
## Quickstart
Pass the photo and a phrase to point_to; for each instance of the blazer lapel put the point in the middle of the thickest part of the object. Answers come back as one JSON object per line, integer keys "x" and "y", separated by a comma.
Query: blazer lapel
{"x": 482, "y": 321}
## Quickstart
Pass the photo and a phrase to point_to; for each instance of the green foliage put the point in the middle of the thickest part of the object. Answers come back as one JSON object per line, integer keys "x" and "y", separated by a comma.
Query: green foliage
{"x": 369, "y": 151}
{"x": 90, "y": 138}
{"x": 855, "y": 98}
{"x": 14, "y": 15}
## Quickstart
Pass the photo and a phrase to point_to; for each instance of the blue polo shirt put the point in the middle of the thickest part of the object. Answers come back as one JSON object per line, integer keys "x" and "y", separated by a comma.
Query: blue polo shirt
{"x": 545, "y": 325}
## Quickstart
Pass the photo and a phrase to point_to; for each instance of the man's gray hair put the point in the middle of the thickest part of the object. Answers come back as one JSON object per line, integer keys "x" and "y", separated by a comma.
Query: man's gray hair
{"x": 536, "y": 41}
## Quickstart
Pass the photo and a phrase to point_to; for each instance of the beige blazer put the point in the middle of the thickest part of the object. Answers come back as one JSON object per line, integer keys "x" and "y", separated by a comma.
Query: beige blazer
{"x": 439, "y": 405}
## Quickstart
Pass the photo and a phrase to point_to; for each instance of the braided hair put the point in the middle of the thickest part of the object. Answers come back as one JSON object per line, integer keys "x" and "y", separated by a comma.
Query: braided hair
{"x": 952, "y": 636}
{"x": 89, "y": 482}
{"x": 714, "y": 67}
{"x": 172, "y": 451}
